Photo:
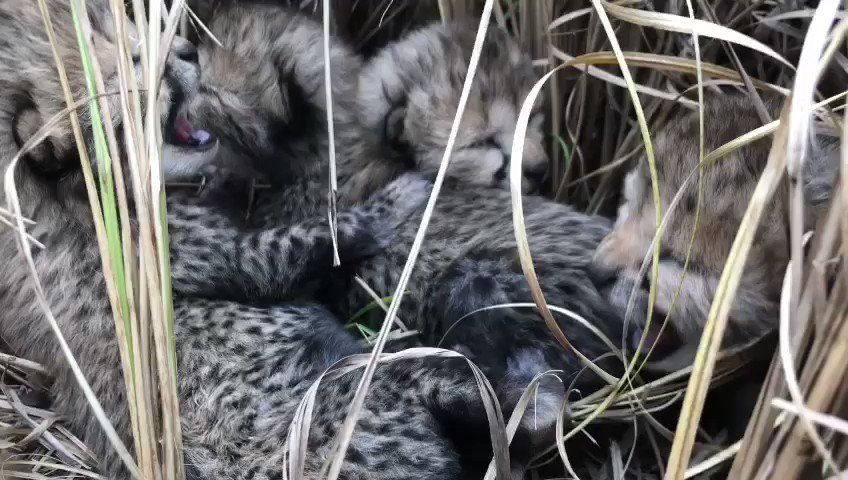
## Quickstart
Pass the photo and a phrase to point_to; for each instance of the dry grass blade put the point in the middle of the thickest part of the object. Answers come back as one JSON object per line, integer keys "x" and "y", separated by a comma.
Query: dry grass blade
{"x": 760, "y": 132}
{"x": 346, "y": 432}
{"x": 10, "y": 223}
{"x": 589, "y": 326}
{"x": 527, "y": 396}
{"x": 842, "y": 200}
{"x": 619, "y": 81}
{"x": 159, "y": 287}
{"x": 112, "y": 194}
{"x": 830, "y": 421}
{"x": 39, "y": 429}
{"x": 810, "y": 65}
{"x": 757, "y": 451}
{"x": 378, "y": 300}
{"x": 649, "y": 152}
{"x": 713, "y": 461}
{"x": 153, "y": 308}
{"x": 199, "y": 24}
{"x": 331, "y": 134}
{"x": 13, "y": 200}
{"x": 700, "y": 198}
{"x": 560, "y": 445}
{"x": 525, "y": 256}
{"x": 676, "y": 23}
{"x": 12, "y": 361}
{"x": 129, "y": 267}
{"x": 299, "y": 430}
{"x": 52, "y": 467}
{"x": 145, "y": 319}
{"x": 7, "y": 213}
{"x": 659, "y": 62}
{"x": 800, "y": 110}
{"x": 790, "y": 375}
{"x": 718, "y": 316}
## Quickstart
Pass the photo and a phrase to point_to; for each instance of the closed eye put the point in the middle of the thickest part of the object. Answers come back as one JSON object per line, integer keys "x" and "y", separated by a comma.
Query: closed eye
{"x": 487, "y": 143}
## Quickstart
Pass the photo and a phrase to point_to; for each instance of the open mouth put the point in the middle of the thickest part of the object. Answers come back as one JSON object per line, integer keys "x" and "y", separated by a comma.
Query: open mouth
{"x": 188, "y": 150}
{"x": 181, "y": 133}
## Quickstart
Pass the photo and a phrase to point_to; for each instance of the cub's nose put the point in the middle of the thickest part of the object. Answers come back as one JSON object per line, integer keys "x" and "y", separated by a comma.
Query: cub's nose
{"x": 184, "y": 50}
{"x": 537, "y": 172}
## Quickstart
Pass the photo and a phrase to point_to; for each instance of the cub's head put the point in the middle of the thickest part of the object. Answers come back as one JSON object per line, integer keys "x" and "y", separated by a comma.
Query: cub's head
{"x": 32, "y": 96}
{"x": 263, "y": 93}
{"x": 410, "y": 90}
{"x": 727, "y": 188}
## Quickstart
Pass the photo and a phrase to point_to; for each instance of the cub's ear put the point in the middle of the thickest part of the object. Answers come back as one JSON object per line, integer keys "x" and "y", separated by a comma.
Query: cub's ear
{"x": 52, "y": 156}
{"x": 821, "y": 170}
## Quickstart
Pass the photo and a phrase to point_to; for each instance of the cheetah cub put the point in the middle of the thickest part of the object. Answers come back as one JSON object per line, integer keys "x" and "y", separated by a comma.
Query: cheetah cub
{"x": 469, "y": 261}
{"x": 727, "y": 188}
{"x": 410, "y": 90}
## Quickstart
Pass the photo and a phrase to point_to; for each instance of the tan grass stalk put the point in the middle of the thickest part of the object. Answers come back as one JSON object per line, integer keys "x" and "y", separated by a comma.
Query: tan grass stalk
{"x": 790, "y": 375}
{"x": 331, "y": 133}
{"x": 619, "y": 81}
{"x": 120, "y": 242}
{"x": 718, "y": 316}
{"x": 805, "y": 84}
{"x": 671, "y": 64}
{"x": 588, "y": 325}
{"x": 136, "y": 319}
{"x": 676, "y": 23}
{"x": 297, "y": 440}
{"x": 700, "y": 87}
{"x": 13, "y": 200}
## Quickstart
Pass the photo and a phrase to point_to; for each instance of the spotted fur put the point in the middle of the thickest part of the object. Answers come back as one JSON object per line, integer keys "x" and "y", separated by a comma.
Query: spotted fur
{"x": 242, "y": 366}
{"x": 469, "y": 259}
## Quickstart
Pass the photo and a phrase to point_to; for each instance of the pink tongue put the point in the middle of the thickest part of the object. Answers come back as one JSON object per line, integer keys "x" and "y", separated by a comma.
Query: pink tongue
{"x": 185, "y": 133}
{"x": 183, "y": 130}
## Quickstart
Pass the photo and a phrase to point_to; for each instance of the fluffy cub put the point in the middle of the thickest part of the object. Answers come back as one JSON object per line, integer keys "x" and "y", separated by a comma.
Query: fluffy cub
{"x": 469, "y": 259}
{"x": 409, "y": 92}
{"x": 727, "y": 188}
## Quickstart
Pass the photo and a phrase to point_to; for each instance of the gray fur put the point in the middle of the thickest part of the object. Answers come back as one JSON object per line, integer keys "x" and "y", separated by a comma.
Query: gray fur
{"x": 469, "y": 259}
{"x": 51, "y": 193}
{"x": 409, "y": 92}
{"x": 258, "y": 94}
{"x": 242, "y": 368}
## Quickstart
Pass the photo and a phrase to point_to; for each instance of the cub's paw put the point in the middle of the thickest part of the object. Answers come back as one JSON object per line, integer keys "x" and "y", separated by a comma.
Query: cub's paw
{"x": 407, "y": 193}
{"x": 412, "y": 183}
{"x": 399, "y": 202}
{"x": 359, "y": 238}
